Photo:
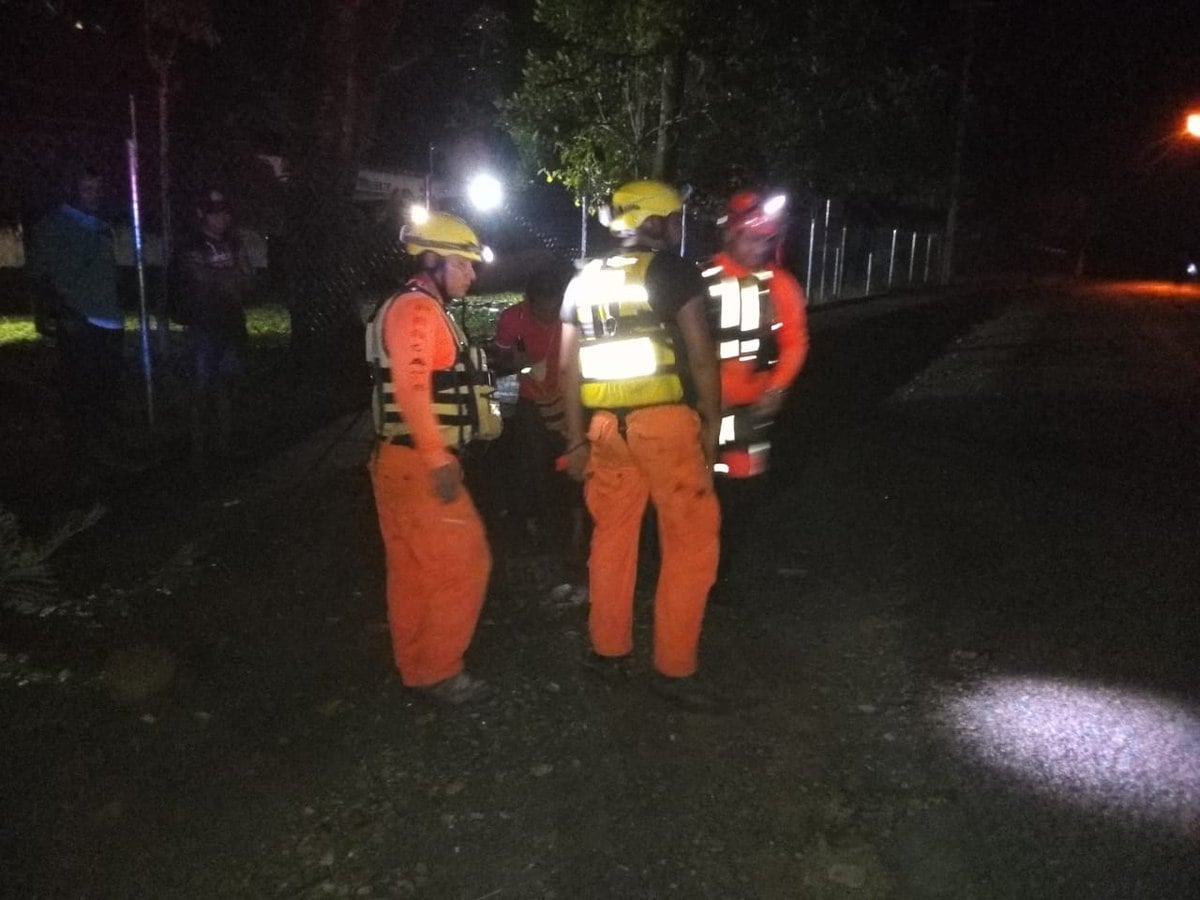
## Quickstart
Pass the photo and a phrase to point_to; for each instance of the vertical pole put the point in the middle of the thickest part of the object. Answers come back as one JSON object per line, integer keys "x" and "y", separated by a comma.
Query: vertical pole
{"x": 429, "y": 182}
{"x": 839, "y": 282}
{"x": 892, "y": 259}
{"x": 960, "y": 139}
{"x": 912, "y": 256}
{"x": 131, "y": 148}
{"x": 583, "y": 227}
{"x": 870, "y": 258}
{"x": 812, "y": 233}
{"x": 837, "y": 269}
{"x": 928, "y": 253}
{"x": 824, "y": 246}
{"x": 683, "y": 229}
{"x": 164, "y": 200}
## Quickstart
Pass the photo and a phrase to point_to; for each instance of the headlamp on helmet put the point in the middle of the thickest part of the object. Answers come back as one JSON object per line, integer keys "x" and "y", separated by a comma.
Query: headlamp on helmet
{"x": 758, "y": 214}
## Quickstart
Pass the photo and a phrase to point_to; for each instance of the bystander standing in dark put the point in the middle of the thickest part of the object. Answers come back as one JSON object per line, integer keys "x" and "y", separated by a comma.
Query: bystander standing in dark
{"x": 73, "y": 269}
{"x": 214, "y": 276}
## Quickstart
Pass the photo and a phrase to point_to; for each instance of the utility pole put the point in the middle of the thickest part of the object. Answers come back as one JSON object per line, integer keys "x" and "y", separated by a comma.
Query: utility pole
{"x": 960, "y": 140}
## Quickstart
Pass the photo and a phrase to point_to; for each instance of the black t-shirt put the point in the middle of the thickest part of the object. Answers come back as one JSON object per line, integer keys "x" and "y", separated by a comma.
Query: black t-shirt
{"x": 671, "y": 281}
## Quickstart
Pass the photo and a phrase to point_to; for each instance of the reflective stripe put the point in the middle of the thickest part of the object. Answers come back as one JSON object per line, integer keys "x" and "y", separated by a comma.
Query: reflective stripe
{"x": 626, "y": 356}
{"x": 461, "y": 396}
{"x": 741, "y": 313}
{"x": 633, "y": 358}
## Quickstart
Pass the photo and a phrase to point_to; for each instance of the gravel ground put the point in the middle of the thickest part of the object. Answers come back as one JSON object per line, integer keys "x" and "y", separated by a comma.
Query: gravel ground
{"x": 960, "y": 651}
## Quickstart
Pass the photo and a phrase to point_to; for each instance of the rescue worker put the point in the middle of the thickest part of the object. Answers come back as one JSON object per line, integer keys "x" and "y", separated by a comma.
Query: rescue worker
{"x": 641, "y": 386}
{"x": 756, "y": 309}
{"x": 429, "y": 402}
{"x": 760, "y": 328}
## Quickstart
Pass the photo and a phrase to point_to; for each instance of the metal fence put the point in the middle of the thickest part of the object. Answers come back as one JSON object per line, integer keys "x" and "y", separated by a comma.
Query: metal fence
{"x": 328, "y": 256}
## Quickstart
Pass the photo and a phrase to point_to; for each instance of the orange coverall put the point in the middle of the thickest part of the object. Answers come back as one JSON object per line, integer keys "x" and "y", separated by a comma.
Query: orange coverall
{"x": 659, "y": 458}
{"x": 438, "y": 560}
{"x": 741, "y": 384}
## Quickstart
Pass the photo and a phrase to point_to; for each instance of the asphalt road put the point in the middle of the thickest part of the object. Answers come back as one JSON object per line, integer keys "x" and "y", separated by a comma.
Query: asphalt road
{"x": 960, "y": 643}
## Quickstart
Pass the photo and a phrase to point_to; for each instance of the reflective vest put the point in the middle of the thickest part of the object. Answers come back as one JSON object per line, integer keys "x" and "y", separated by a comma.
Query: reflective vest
{"x": 626, "y": 355}
{"x": 462, "y": 395}
{"x": 742, "y": 318}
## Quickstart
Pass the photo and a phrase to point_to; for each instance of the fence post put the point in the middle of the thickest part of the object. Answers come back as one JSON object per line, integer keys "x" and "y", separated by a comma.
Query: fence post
{"x": 928, "y": 251}
{"x": 812, "y": 233}
{"x": 870, "y": 258}
{"x": 892, "y": 259}
{"x": 825, "y": 247}
{"x": 837, "y": 265}
{"x": 839, "y": 281}
{"x": 583, "y": 227}
{"x": 912, "y": 256}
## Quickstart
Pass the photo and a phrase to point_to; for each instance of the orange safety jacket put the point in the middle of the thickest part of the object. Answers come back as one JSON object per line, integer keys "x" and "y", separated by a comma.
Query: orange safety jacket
{"x": 414, "y": 327}
{"x": 759, "y": 326}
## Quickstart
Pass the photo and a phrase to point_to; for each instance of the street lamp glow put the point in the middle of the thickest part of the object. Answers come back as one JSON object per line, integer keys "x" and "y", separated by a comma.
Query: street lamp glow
{"x": 485, "y": 192}
{"x": 418, "y": 214}
{"x": 1191, "y": 125}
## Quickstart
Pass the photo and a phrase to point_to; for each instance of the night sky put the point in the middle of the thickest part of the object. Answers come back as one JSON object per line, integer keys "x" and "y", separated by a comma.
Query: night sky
{"x": 1068, "y": 97}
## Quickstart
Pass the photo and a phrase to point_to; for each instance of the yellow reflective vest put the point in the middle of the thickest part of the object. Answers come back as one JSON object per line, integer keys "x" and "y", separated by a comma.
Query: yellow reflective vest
{"x": 462, "y": 395}
{"x": 626, "y": 354}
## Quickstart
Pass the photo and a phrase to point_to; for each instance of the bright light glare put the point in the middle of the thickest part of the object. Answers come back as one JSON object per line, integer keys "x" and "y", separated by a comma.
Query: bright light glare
{"x": 418, "y": 214}
{"x": 485, "y": 192}
{"x": 774, "y": 204}
{"x": 488, "y": 255}
{"x": 1192, "y": 125}
{"x": 1113, "y": 751}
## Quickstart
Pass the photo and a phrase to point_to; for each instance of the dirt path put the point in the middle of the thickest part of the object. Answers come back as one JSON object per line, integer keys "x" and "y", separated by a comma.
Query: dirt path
{"x": 961, "y": 653}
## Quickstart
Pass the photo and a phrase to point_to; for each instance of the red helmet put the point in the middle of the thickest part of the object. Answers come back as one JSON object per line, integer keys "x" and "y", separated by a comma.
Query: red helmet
{"x": 754, "y": 212}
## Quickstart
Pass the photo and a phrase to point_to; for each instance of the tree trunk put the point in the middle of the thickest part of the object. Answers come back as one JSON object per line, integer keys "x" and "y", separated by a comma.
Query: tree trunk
{"x": 162, "y": 319}
{"x": 666, "y": 148}
{"x": 347, "y": 48}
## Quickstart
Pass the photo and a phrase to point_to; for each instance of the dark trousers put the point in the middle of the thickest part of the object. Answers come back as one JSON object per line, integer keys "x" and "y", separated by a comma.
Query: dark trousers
{"x": 742, "y": 501}
{"x": 538, "y": 493}
{"x": 91, "y": 359}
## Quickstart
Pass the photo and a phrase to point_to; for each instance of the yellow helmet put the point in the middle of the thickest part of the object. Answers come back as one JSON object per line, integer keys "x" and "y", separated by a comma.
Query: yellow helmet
{"x": 443, "y": 234}
{"x": 634, "y": 202}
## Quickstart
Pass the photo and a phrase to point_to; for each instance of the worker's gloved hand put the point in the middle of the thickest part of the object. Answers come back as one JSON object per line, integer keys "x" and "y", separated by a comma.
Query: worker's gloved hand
{"x": 447, "y": 481}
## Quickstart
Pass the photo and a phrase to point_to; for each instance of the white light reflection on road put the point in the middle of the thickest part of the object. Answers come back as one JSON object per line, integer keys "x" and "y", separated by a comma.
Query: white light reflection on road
{"x": 1121, "y": 752}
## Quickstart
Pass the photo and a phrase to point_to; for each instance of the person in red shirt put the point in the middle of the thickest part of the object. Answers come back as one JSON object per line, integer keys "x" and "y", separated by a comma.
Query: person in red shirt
{"x": 543, "y": 503}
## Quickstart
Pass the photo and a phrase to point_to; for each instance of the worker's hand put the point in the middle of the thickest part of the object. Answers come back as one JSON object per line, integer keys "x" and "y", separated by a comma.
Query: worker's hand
{"x": 447, "y": 481}
{"x": 768, "y": 405}
{"x": 577, "y": 459}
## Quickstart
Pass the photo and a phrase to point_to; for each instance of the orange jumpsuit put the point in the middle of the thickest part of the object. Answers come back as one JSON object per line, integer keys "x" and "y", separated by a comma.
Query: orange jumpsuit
{"x": 741, "y": 384}
{"x": 660, "y": 459}
{"x": 438, "y": 560}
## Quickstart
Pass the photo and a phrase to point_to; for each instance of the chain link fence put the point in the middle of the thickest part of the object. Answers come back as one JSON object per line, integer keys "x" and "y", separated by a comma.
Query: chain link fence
{"x": 323, "y": 255}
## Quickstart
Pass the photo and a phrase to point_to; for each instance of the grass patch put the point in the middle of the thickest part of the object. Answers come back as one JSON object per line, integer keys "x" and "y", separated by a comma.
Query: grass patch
{"x": 17, "y": 329}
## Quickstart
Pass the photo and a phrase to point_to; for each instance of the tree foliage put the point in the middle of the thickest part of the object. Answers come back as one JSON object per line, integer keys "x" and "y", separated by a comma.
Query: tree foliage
{"x": 587, "y": 113}
{"x": 825, "y": 94}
